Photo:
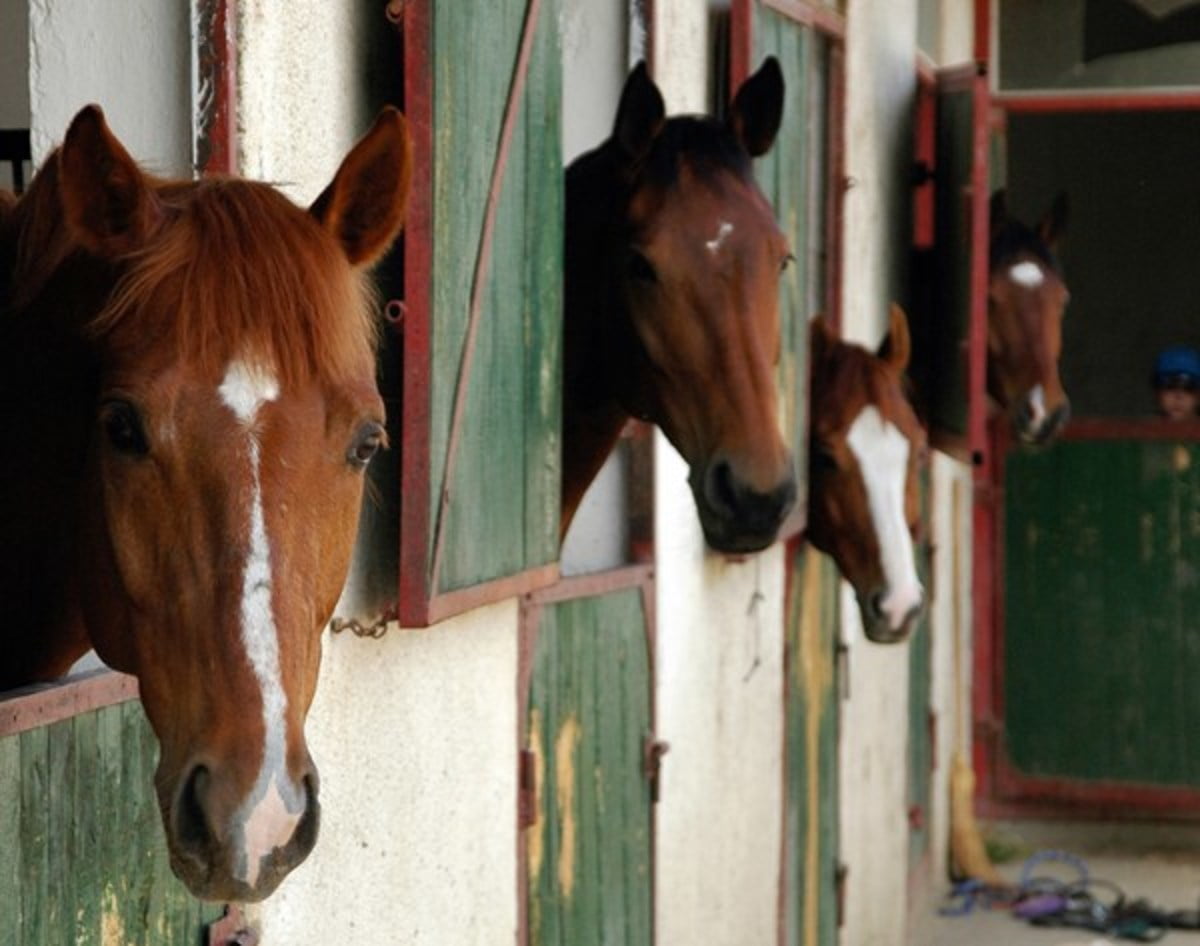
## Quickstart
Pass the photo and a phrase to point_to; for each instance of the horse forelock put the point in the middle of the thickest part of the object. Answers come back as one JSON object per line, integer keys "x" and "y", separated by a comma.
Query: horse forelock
{"x": 708, "y": 146}
{"x": 234, "y": 269}
{"x": 1013, "y": 239}
{"x": 238, "y": 270}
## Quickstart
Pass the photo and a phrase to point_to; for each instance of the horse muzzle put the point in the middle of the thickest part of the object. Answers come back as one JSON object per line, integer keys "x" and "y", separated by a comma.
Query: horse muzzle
{"x": 889, "y": 617}
{"x": 1036, "y": 424}
{"x": 736, "y": 517}
{"x": 239, "y": 850}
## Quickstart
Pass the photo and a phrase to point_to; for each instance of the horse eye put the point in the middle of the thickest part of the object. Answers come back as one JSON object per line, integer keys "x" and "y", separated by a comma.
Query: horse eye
{"x": 786, "y": 262}
{"x": 367, "y": 441}
{"x": 640, "y": 269}
{"x": 123, "y": 427}
{"x": 823, "y": 459}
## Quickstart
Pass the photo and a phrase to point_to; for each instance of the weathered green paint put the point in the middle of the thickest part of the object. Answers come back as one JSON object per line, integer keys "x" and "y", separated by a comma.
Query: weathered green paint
{"x": 83, "y": 860}
{"x": 920, "y": 681}
{"x": 793, "y": 176}
{"x": 1101, "y": 606}
{"x": 811, "y": 728}
{"x": 589, "y": 854}
{"x": 503, "y": 514}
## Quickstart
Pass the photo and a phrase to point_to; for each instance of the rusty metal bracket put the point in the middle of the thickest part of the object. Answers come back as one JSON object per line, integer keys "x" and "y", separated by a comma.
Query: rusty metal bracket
{"x": 527, "y": 800}
{"x": 653, "y": 751}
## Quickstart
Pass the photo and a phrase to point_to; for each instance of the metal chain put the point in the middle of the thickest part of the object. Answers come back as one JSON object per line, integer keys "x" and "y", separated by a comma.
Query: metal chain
{"x": 374, "y": 630}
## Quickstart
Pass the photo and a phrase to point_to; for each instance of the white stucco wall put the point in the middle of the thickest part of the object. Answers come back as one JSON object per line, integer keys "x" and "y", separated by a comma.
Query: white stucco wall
{"x": 301, "y": 89}
{"x": 720, "y": 677}
{"x": 415, "y": 739}
{"x": 880, "y": 81}
{"x": 415, "y": 735}
{"x": 132, "y": 58}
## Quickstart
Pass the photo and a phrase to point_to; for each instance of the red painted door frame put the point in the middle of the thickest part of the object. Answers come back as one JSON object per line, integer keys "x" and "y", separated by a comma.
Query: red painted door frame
{"x": 1001, "y": 789}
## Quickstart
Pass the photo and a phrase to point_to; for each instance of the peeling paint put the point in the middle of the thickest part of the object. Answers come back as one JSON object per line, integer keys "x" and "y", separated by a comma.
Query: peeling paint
{"x": 564, "y": 774}
{"x": 112, "y": 927}
{"x": 814, "y": 677}
{"x": 535, "y": 834}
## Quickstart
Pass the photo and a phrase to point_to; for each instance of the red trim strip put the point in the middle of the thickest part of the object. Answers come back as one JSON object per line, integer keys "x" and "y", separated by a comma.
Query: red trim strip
{"x": 741, "y": 42}
{"x": 418, "y": 278}
{"x": 450, "y": 603}
{"x": 215, "y": 107}
{"x": 598, "y": 583}
{"x": 1054, "y": 102}
{"x": 1131, "y": 428}
{"x": 809, "y": 13}
{"x": 483, "y": 259}
{"x": 37, "y": 706}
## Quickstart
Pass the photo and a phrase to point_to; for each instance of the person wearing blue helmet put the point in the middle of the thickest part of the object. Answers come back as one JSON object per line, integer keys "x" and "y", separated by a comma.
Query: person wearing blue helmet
{"x": 1176, "y": 382}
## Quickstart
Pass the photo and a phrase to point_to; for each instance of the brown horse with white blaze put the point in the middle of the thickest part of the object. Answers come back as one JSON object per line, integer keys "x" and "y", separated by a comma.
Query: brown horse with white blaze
{"x": 1027, "y": 296}
{"x": 866, "y": 449}
{"x": 189, "y": 401}
{"x": 671, "y": 309}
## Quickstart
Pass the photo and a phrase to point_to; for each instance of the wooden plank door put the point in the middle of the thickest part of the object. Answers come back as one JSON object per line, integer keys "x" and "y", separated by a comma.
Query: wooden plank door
{"x": 1101, "y": 622}
{"x": 810, "y": 841}
{"x": 483, "y": 305}
{"x": 82, "y": 854}
{"x": 588, "y": 848}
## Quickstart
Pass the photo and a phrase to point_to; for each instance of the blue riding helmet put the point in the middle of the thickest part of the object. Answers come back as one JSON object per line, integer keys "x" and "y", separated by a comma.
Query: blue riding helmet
{"x": 1177, "y": 367}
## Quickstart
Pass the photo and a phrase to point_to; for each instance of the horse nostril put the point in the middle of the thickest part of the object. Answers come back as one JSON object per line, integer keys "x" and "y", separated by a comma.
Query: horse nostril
{"x": 722, "y": 491}
{"x": 191, "y": 822}
{"x": 875, "y": 604}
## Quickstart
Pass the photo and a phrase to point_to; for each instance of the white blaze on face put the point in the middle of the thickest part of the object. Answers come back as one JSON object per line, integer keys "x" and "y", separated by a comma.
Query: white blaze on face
{"x": 1028, "y": 274}
{"x": 882, "y": 454}
{"x": 723, "y": 231}
{"x": 1037, "y": 407}
{"x": 271, "y": 811}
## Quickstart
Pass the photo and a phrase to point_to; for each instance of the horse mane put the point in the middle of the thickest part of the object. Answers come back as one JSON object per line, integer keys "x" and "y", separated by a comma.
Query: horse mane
{"x": 706, "y": 143}
{"x": 234, "y": 270}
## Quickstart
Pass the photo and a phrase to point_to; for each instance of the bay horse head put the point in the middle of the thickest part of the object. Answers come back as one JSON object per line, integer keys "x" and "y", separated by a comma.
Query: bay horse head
{"x": 1026, "y": 299}
{"x": 671, "y": 310}
{"x": 865, "y": 453}
{"x": 189, "y": 374}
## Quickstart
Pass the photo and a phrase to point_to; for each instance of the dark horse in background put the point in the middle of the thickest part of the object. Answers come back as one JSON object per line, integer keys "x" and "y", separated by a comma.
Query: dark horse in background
{"x": 671, "y": 309}
{"x": 187, "y": 393}
{"x": 1027, "y": 295}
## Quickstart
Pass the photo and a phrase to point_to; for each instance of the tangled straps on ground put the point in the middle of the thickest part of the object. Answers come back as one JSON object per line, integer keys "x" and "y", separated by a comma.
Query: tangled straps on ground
{"x": 1081, "y": 902}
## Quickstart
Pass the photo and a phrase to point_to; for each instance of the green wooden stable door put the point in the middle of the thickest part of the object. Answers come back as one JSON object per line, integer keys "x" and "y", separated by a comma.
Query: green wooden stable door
{"x": 588, "y": 851}
{"x": 1102, "y": 613}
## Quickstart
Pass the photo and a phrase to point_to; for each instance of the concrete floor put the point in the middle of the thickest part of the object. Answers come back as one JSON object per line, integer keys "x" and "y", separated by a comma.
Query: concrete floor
{"x": 1158, "y": 862}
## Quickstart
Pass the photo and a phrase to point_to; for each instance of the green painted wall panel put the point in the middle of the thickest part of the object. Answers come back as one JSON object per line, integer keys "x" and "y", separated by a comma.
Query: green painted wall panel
{"x": 1102, "y": 611}
{"x": 792, "y": 175}
{"x": 589, "y": 711}
{"x": 504, "y": 485}
{"x": 82, "y": 855}
{"x": 920, "y": 682}
{"x": 811, "y": 732}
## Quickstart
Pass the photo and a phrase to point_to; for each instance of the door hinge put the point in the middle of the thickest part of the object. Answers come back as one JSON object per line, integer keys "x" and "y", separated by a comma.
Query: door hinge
{"x": 841, "y": 661}
{"x": 527, "y": 800}
{"x": 840, "y": 873}
{"x": 652, "y": 752}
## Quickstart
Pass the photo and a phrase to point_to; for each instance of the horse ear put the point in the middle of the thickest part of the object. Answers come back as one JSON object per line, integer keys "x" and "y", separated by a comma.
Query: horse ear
{"x": 897, "y": 345}
{"x": 640, "y": 115}
{"x": 821, "y": 338}
{"x": 757, "y": 108}
{"x": 1053, "y": 224}
{"x": 108, "y": 203}
{"x": 363, "y": 207}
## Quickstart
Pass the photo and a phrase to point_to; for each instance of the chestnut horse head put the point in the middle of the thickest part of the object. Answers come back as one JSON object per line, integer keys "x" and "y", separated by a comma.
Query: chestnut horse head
{"x": 671, "y": 311}
{"x": 867, "y": 447}
{"x": 1026, "y": 299}
{"x": 189, "y": 400}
